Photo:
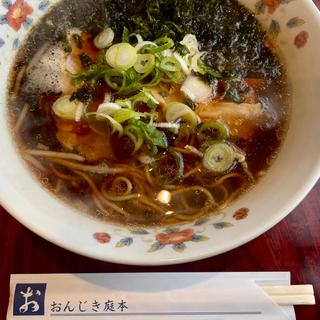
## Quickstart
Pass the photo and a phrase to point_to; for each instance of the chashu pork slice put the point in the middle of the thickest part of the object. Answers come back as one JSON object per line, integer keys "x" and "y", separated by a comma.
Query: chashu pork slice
{"x": 242, "y": 119}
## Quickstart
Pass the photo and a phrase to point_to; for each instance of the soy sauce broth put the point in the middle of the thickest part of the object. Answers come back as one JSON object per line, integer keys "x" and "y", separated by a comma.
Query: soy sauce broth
{"x": 237, "y": 47}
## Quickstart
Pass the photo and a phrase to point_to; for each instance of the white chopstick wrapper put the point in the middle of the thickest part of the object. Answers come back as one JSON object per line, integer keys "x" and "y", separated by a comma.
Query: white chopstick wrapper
{"x": 150, "y": 296}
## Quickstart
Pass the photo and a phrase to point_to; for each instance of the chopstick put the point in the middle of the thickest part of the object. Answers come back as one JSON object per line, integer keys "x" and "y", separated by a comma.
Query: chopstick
{"x": 291, "y": 295}
{"x": 297, "y": 300}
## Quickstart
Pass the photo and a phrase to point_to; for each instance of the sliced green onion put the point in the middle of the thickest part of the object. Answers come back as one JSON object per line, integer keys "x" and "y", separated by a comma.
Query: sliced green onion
{"x": 114, "y": 78}
{"x": 152, "y": 136}
{"x": 132, "y": 75}
{"x": 125, "y": 35}
{"x": 170, "y": 64}
{"x": 66, "y": 109}
{"x": 130, "y": 68}
{"x": 219, "y": 158}
{"x": 169, "y": 168}
{"x": 136, "y": 135}
{"x": 162, "y": 44}
{"x": 109, "y": 108}
{"x": 138, "y": 37}
{"x": 144, "y": 44}
{"x": 150, "y": 96}
{"x": 145, "y": 97}
{"x": 156, "y": 78}
{"x": 145, "y": 63}
{"x": 184, "y": 134}
{"x": 175, "y": 77}
{"x": 131, "y": 82}
{"x": 126, "y": 114}
{"x": 92, "y": 74}
{"x": 207, "y": 143}
{"x": 115, "y": 126}
{"x": 104, "y": 39}
{"x": 183, "y": 64}
{"x": 212, "y": 129}
{"x": 121, "y": 56}
{"x": 179, "y": 111}
{"x": 204, "y": 69}
{"x": 125, "y": 103}
{"x": 191, "y": 43}
{"x": 179, "y": 161}
{"x": 195, "y": 61}
{"x": 181, "y": 49}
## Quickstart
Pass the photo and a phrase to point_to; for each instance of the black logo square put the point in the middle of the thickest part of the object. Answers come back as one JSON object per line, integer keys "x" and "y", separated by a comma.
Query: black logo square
{"x": 29, "y": 299}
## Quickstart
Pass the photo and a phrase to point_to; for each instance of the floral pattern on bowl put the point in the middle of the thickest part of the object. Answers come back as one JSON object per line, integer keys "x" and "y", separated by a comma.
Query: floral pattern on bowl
{"x": 17, "y": 14}
{"x": 269, "y": 7}
{"x": 176, "y": 237}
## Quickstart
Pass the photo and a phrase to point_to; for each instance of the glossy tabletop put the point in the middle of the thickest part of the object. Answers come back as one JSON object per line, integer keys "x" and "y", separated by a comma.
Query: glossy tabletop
{"x": 293, "y": 245}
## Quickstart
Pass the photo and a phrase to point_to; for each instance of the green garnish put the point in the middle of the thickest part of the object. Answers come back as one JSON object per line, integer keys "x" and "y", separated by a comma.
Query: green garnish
{"x": 177, "y": 111}
{"x": 154, "y": 137}
{"x": 219, "y": 158}
{"x": 136, "y": 135}
{"x": 100, "y": 117}
{"x": 145, "y": 64}
{"x": 144, "y": 97}
{"x": 128, "y": 68}
{"x": 121, "y": 56}
{"x": 94, "y": 73}
{"x": 204, "y": 69}
{"x": 213, "y": 130}
{"x": 169, "y": 168}
{"x": 124, "y": 115}
{"x": 125, "y": 35}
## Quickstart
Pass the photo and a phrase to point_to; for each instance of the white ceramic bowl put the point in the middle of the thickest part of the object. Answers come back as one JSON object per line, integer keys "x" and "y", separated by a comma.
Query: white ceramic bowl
{"x": 288, "y": 181}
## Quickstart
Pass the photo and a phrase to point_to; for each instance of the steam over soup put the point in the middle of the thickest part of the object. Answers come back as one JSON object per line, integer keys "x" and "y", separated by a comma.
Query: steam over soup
{"x": 148, "y": 112}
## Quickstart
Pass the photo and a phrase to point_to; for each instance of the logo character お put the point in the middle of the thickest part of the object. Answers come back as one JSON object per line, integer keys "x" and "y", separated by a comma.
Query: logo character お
{"x": 29, "y": 299}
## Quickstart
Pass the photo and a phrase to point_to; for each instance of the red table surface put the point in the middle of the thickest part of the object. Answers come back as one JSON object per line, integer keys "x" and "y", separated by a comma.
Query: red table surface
{"x": 293, "y": 245}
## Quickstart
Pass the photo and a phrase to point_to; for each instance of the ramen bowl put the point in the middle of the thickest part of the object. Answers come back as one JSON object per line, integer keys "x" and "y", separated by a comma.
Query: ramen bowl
{"x": 296, "y": 28}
